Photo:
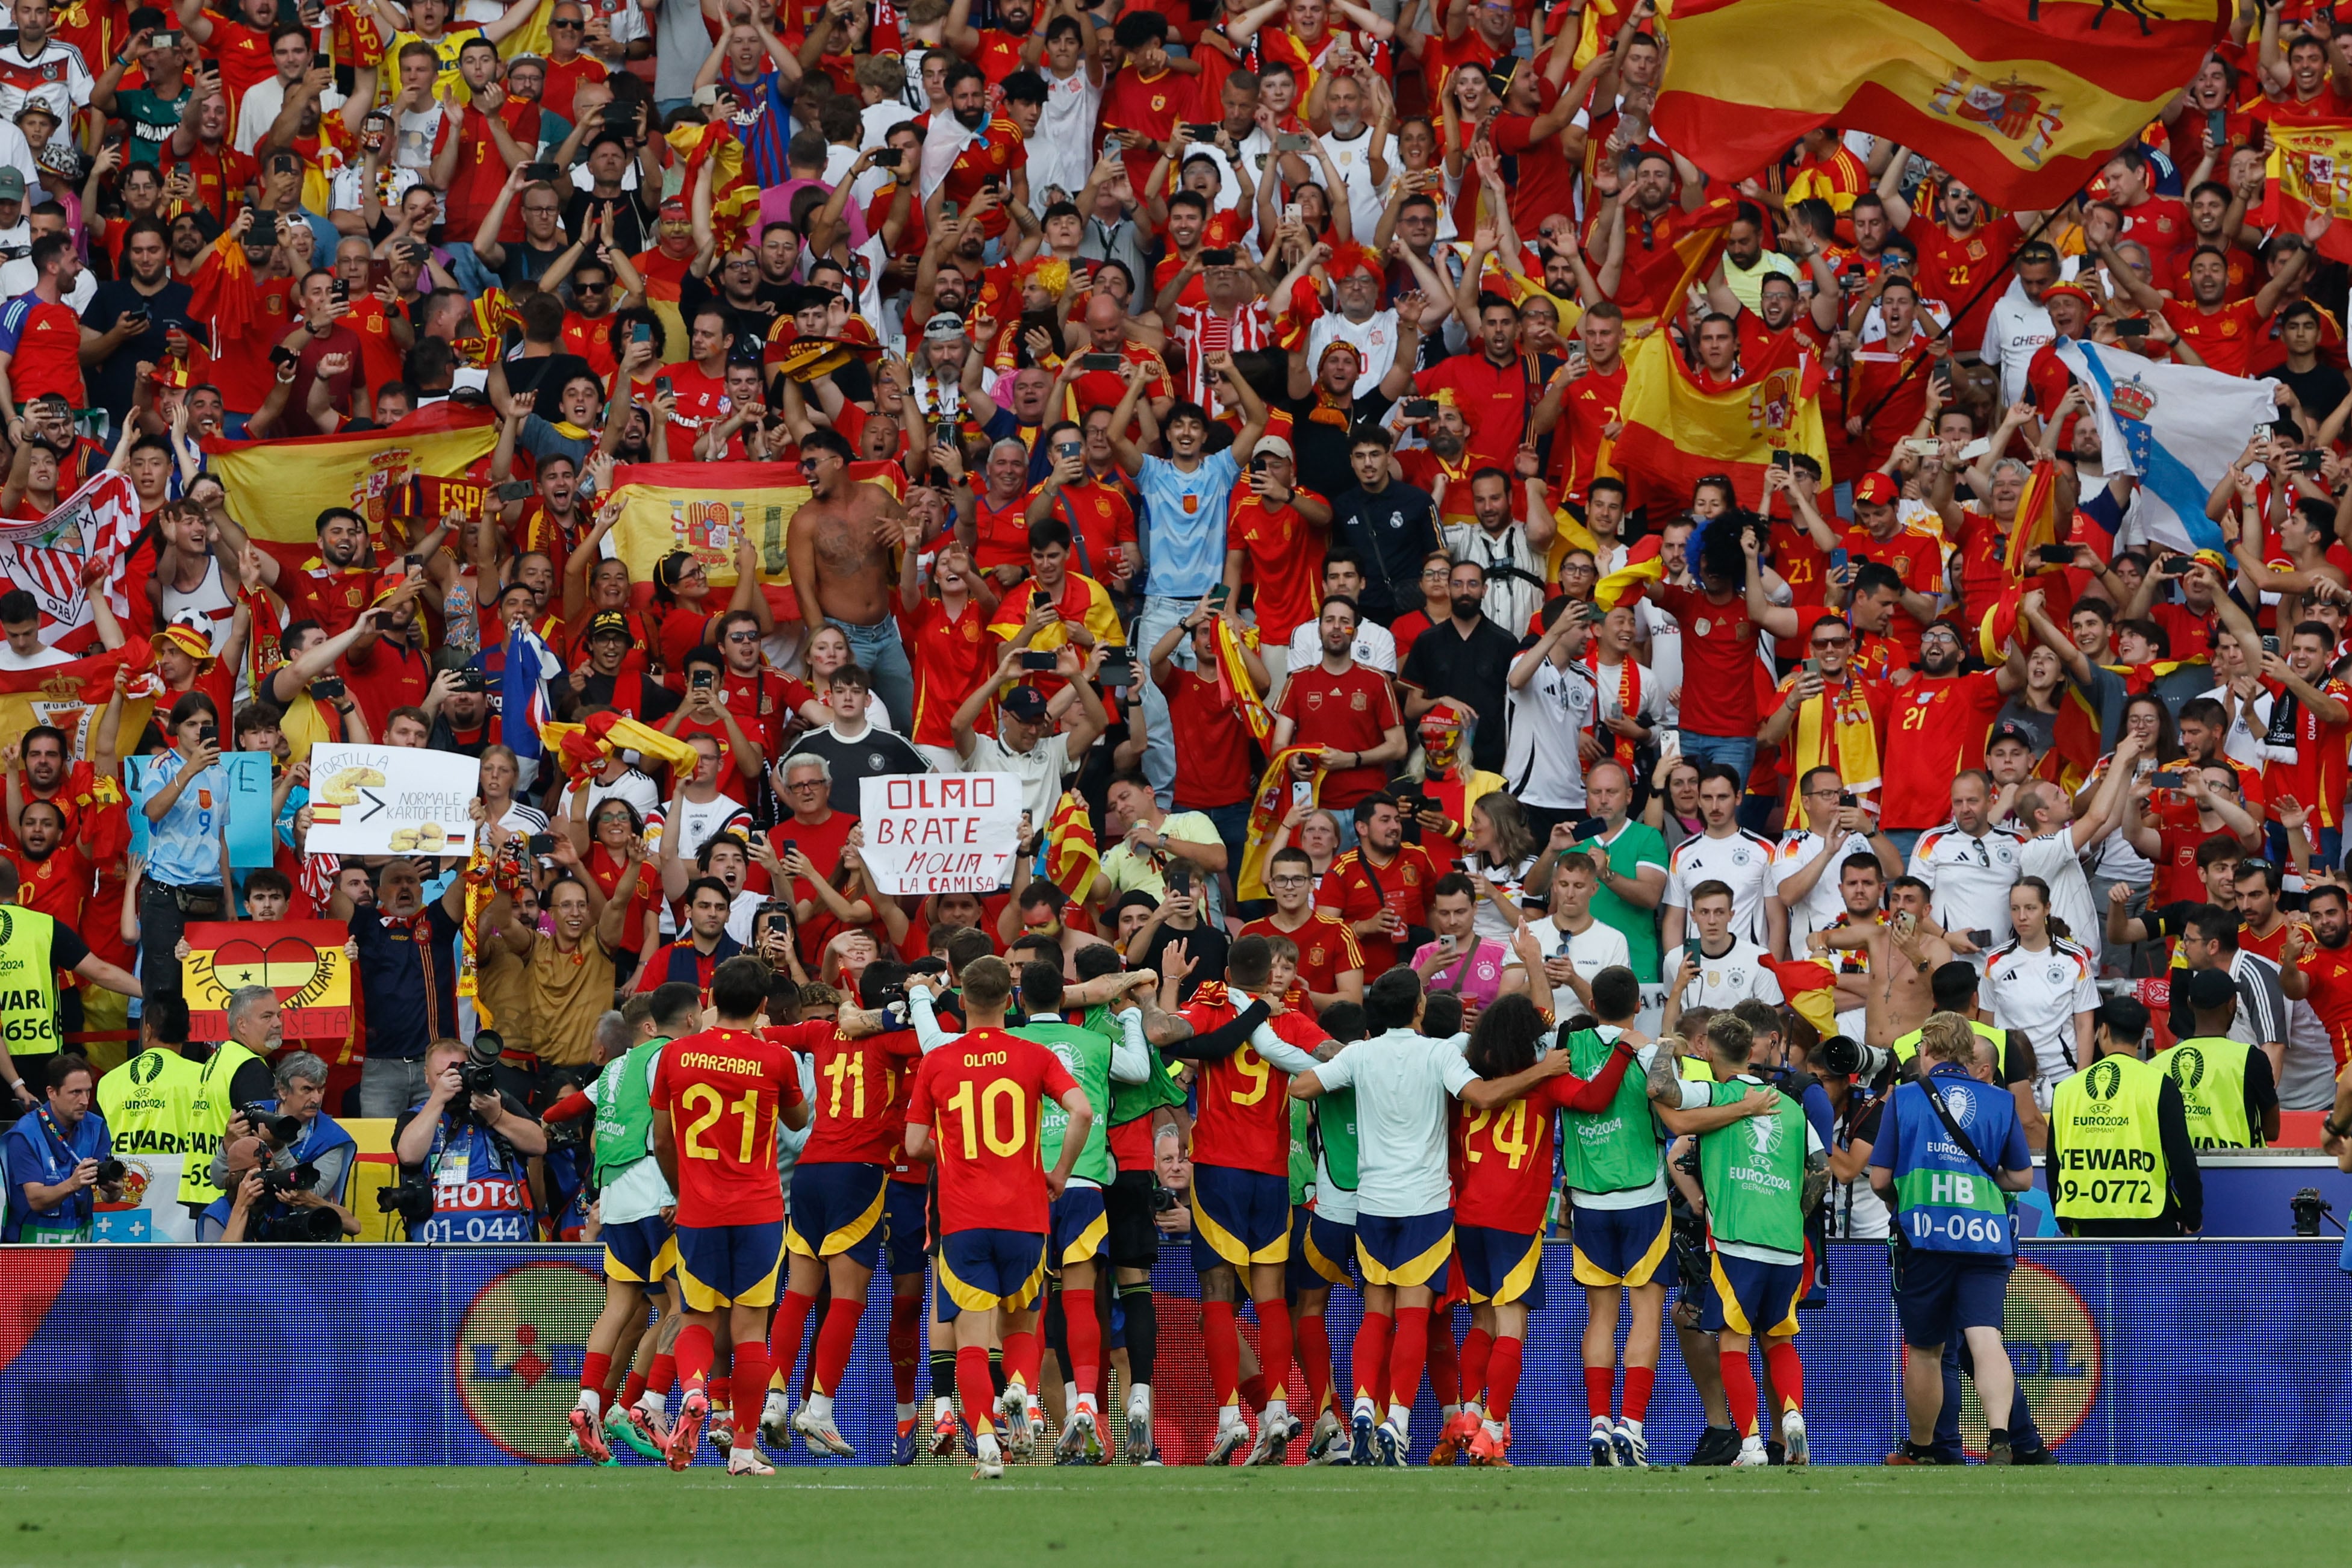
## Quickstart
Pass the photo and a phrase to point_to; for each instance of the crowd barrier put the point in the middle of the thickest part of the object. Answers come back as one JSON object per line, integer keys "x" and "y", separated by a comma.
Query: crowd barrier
{"x": 2189, "y": 1352}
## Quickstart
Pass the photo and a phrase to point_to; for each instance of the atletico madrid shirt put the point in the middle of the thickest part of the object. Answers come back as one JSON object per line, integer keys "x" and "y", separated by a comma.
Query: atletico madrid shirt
{"x": 723, "y": 1088}
{"x": 979, "y": 1096}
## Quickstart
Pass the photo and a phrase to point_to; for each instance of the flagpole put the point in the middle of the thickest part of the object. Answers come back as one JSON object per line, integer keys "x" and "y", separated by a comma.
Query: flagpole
{"x": 2000, "y": 276}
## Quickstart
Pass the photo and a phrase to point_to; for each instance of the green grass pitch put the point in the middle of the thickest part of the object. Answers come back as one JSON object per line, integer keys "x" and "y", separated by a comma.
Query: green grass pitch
{"x": 843, "y": 1516}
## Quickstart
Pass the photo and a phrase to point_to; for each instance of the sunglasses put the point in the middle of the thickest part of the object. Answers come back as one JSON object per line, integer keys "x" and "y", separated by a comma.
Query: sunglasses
{"x": 563, "y": 26}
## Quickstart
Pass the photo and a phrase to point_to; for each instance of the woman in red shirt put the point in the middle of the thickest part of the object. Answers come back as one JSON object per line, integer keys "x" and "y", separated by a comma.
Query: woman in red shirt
{"x": 1437, "y": 603}
{"x": 613, "y": 826}
{"x": 682, "y": 598}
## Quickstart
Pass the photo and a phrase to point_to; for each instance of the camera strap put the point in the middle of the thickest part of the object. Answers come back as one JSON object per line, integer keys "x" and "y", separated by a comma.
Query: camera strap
{"x": 1951, "y": 1125}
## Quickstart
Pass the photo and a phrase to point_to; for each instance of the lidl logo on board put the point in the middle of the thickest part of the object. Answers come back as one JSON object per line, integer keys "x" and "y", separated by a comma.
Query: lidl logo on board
{"x": 519, "y": 1354}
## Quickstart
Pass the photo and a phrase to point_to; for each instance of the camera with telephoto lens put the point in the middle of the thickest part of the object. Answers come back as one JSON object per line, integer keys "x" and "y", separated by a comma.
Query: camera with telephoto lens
{"x": 281, "y": 1130}
{"x": 2309, "y": 1209}
{"x": 280, "y": 1180}
{"x": 1844, "y": 1054}
{"x": 412, "y": 1200}
{"x": 477, "y": 1073}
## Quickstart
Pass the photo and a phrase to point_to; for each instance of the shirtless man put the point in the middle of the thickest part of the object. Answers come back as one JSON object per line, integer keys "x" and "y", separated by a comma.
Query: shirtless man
{"x": 839, "y": 550}
{"x": 1905, "y": 952}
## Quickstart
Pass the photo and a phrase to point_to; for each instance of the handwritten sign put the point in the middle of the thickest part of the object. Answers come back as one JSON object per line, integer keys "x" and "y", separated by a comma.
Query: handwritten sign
{"x": 939, "y": 833}
{"x": 302, "y": 961}
{"x": 390, "y": 800}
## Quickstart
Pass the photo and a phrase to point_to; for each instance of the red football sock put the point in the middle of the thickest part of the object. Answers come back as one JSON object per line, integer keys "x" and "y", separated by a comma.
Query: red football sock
{"x": 784, "y": 1332}
{"x": 1502, "y": 1378}
{"x": 1372, "y": 1358}
{"x": 1476, "y": 1347}
{"x": 1788, "y": 1375}
{"x": 1081, "y": 1339}
{"x": 1252, "y": 1392}
{"x": 1023, "y": 1355}
{"x": 1315, "y": 1362}
{"x": 1273, "y": 1347}
{"x": 694, "y": 1351}
{"x": 906, "y": 1344}
{"x": 595, "y": 1369}
{"x": 662, "y": 1376}
{"x": 1444, "y": 1364}
{"x": 972, "y": 1384}
{"x": 1739, "y": 1391}
{"x": 1639, "y": 1381}
{"x": 1410, "y": 1351}
{"x": 1222, "y": 1347}
{"x": 834, "y": 1340}
{"x": 1600, "y": 1383}
{"x": 750, "y": 1382}
{"x": 632, "y": 1387}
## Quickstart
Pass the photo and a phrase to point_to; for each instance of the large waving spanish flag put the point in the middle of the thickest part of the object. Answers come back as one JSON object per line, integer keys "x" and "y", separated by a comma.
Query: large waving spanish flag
{"x": 2022, "y": 99}
{"x": 2308, "y": 155}
{"x": 430, "y": 464}
{"x": 1678, "y": 430}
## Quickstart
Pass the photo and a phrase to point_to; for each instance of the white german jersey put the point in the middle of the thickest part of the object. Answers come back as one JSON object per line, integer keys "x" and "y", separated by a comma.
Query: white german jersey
{"x": 1742, "y": 862}
{"x": 1819, "y": 908}
{"x": 1970, "y": 878}
{"x": 2037, "y": 995}
{"x": 1731, "y": 978}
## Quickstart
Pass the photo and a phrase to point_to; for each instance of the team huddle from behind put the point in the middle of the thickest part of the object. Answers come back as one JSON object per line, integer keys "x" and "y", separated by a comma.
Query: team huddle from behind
{"x": 1376, "y": 1145}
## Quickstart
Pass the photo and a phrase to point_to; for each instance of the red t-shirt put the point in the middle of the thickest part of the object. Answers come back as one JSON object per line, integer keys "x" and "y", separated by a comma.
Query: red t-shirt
{"x": 1002, "y": 532}
{"x": 45, "y": 350}
{"x": 1718, "y": 662}
{"x": 760, "y": 703}
{"x": 723, "y": 1089}
{"x": 1917, "y": 557}
{"x": 1953, "y": 270}
{"x": 856, "y": 1085}
{"x": 1151, "y": 104}
{"x": 1545, "y": 183}
{"x": 1243, "y": 1122}
{"x": 1284, "y": 554}
{"x": 951, "y": 655}
{"x": 1504, "y": 1171}
{"x": 385, "y": 675}
{"x": 1351, "y": 711}
{"x": 1587, "y": 410}
{"x": 702, "y": 402}
{"x": 331, "y": 597}
{"x": 1327, "y": 949}
{"x": 980, "y": 1098}
{"x": 1212, "y": 766}
{"x": 2315, "y": 780}
{"x": 1357, "y": 891}
{"x": 2161, "y": 224}
{"x": 821, "y": 842}
{"x": 2223, "y": 338}
{"x": 1099, "y": 518}
{"x": 1936, "y": 728}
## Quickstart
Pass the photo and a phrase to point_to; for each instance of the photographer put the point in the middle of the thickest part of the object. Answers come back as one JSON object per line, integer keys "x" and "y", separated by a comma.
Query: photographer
{"x": 187, "y": 834}
{"x": 300, "y": 1134}
{"x": 270, "y": 1201}
{"x": 58, "y": 1156}
{"x": 1947, "y": 1156}
{"x": 462, "y": 1155}
{"x": 235, "y": 1075}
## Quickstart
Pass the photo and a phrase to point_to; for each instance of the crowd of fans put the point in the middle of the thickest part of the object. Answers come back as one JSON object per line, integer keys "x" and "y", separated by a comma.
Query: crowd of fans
{"x": 1145, "y": 373}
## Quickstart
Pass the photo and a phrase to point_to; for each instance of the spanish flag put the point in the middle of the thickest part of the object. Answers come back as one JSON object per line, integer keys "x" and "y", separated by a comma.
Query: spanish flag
{"x": 1642, "y": 566}
{"x": 1234, "y": 679}
{"x": 1810, "y": 986}
{"x": 2307, "y": 156}
{"x": 2022, "y": 99}
{"x": 414, "y": 473}
{"x": 702, "y": 508}
{"x": 1268, "y": 806}
{"x": 1678, "y": 429}
{"x": 1072, "y": 857}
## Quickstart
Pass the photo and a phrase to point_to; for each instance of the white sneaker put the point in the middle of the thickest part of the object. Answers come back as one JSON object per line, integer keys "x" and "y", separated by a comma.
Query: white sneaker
{"x": 1792, "y": 1437}
{"x": 1076, "y": 1433}
{"x": 1138, "y": 1447}
{"x": 748, "y": 1462}
{"x": 776, "y": 1419}
{"x": 1274, "y": 1432}
{"x": 1018, "y": 1439}
{"x": 1328, "y": 1446}
{"x": 1231, "y": 1433}
{"x": 1752, "y": 1455}
{"x": 822, "y": 1436}
{"x": 990, "y": 1458}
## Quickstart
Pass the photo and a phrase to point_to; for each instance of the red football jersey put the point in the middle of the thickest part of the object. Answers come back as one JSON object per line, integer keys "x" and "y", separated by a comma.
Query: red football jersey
{"x": 857, "y": 1084}
{"x": 1357, "y": 891}
{"x": 1504, "y": 1168}
{"x": 1243, "y": 1122}
{"x": 980, "y": 1097}
{"x": 1327, "y": 950}
{"x": 723, "y": 1088}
